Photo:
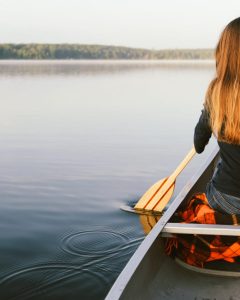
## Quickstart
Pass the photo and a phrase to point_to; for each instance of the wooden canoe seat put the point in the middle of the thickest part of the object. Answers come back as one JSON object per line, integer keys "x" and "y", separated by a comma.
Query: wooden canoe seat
{"x": 208, "y": 229}
{"x": 217, "y": 267}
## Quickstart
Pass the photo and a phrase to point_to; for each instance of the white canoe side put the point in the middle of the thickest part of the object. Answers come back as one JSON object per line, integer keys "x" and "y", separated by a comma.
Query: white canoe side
{"x": 150, "y": 274}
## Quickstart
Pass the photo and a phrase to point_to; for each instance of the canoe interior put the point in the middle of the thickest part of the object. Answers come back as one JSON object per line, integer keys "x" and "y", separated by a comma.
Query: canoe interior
{"x": 169, "y": 280}
{"x": 160, "y": 277}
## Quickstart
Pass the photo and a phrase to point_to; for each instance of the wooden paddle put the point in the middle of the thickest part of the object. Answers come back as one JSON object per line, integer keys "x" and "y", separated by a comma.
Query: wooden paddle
{"x": 159, "y": 194}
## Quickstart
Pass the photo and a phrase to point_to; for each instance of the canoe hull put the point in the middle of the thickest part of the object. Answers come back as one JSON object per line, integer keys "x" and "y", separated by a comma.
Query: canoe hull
{"x": 150, "y": 274}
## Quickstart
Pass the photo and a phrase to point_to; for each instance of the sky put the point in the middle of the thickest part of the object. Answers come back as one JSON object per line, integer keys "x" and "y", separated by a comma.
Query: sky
{"x": 152, "y": 24}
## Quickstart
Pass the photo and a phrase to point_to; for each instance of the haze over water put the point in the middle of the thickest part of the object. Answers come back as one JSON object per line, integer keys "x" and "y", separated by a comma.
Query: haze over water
{"x": 78, "y": 141}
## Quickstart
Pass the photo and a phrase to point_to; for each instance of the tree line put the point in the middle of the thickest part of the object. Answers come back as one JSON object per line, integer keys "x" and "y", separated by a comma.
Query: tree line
{"x": 78, "y": 51}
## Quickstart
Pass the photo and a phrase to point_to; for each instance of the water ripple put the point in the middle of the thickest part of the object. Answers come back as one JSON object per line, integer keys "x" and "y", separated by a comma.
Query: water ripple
{"x": 34, "y": 281}
{"x": 94, "y": 244}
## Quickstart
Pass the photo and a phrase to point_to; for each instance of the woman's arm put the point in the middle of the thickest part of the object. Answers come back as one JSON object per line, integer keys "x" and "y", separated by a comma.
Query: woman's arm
{"x": 202, "y": 132}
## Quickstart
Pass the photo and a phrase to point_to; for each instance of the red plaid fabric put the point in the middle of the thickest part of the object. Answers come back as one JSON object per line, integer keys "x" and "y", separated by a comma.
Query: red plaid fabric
{"x": 197, "y": 250}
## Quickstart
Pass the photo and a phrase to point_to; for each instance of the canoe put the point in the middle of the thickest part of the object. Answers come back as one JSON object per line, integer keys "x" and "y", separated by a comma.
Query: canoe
{"x": 151, "y": 274}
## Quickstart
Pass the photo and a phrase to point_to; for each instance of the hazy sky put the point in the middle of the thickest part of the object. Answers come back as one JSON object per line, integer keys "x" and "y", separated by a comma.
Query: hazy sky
{"x": 154, "y": 24}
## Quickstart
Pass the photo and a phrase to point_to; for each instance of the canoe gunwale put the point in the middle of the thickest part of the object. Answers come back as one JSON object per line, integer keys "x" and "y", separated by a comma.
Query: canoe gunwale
{"x": 126, "y": 275}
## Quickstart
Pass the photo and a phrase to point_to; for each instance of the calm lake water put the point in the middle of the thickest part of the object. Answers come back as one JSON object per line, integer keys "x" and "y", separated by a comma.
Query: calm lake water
{"x": 78, "y": 141}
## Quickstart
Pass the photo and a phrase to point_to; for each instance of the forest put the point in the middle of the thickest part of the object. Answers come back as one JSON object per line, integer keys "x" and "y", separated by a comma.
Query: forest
{"x": 79, "y": 51}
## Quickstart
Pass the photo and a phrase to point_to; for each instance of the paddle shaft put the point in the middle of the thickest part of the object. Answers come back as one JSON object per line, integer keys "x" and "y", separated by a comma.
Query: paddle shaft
{"x": 182, "y": 165}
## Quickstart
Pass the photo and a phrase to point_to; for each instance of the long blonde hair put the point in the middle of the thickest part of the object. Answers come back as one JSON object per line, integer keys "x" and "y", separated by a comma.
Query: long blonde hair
{"x": 223, "y": 95}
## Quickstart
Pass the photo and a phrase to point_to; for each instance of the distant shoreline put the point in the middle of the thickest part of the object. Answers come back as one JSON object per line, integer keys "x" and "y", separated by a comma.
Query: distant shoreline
{"x": 97, "y": 52}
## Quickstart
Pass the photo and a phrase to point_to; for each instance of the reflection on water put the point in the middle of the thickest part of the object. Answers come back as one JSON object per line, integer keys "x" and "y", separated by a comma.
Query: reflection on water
{"x": 90, "y": 67}
{"x": 148, "y": 222}
{"x": 77, "y": 143}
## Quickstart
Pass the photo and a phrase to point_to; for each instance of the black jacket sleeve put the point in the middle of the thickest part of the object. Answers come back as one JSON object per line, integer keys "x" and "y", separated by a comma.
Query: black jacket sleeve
{"x": 202, "y": 132}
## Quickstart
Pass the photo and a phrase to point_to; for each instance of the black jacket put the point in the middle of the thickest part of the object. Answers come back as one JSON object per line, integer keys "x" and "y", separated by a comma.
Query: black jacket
{"x": 227, "y": 176}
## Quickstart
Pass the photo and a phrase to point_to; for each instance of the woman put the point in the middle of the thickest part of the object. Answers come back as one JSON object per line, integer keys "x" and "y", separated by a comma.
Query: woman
{"x": 221, "y": 116}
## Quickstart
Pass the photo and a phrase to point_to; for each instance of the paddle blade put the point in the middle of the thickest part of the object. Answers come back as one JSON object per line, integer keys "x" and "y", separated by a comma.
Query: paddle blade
{"x": 159, "y": 207}
{"x": 157, "y": 197}
{"x": 150, "y": 193}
